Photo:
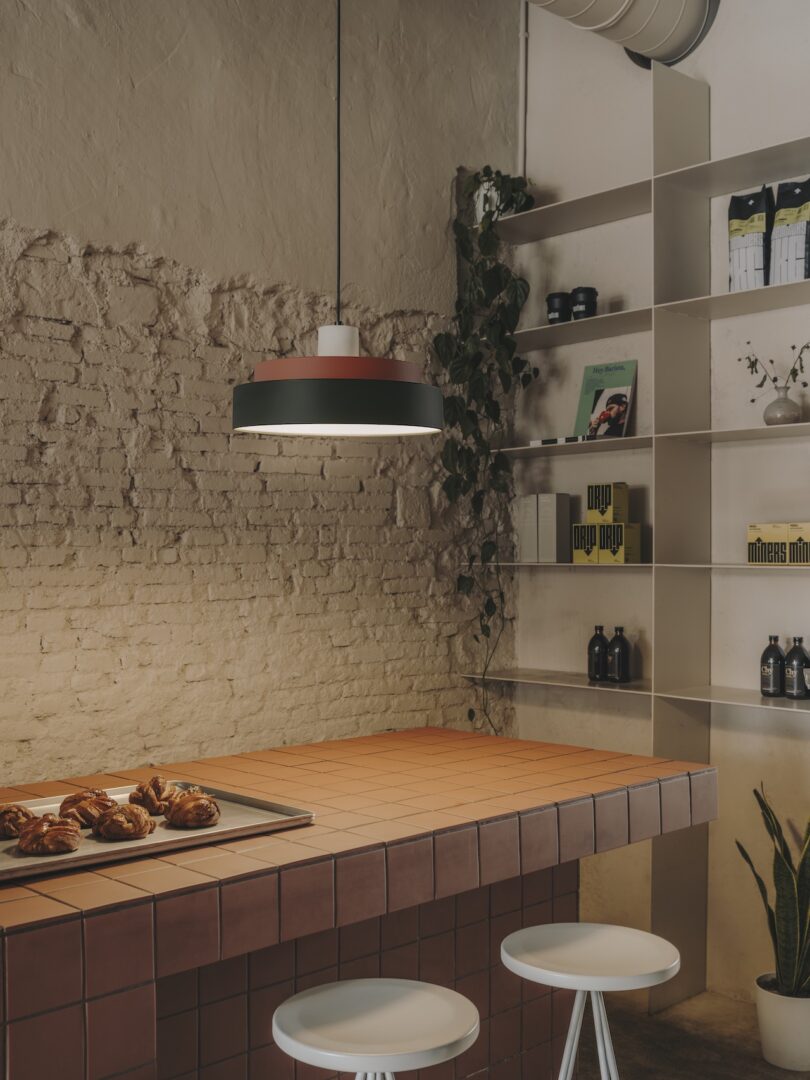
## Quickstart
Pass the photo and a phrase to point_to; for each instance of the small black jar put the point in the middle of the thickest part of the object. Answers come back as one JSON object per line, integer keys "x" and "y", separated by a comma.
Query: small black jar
{"x": 583, "y": 302}
{"x": 558, "y": 306}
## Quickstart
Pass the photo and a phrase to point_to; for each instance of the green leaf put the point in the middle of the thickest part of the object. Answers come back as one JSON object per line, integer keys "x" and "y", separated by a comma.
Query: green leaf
{"x": 489, "y": 607}
{"x": 478, "y": 503}
{"x": 488, "y": 242}
{"x": 450, "y": 455}
{"x": 488, "y": 549}
{"x": 763, "y": 892}
{"x": 464, "y": 584}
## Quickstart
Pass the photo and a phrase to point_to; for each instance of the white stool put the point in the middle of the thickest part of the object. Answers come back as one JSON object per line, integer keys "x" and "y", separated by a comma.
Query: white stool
{"x": 590, "y": 958}
{"x": 375, "y": 1026}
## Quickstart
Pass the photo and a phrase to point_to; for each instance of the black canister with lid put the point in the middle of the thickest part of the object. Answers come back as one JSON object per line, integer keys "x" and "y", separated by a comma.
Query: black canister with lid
{"x": 583, "y": 302}
{"x": 558, "y": 306}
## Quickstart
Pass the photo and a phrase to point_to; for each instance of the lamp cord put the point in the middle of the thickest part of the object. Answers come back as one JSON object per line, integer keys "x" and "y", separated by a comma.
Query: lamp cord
{"x": 337, "y": 163}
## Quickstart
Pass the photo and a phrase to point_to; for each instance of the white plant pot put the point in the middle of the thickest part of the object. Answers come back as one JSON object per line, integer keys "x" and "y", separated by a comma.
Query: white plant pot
{"x": 784, "y": 1028}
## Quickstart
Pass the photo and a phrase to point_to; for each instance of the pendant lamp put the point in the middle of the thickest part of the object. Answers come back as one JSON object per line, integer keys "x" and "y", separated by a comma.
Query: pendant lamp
{"x": 338, "y": 392}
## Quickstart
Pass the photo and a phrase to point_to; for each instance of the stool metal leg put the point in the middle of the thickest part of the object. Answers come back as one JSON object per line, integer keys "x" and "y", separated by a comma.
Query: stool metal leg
{"x": 572, "y": 1042}
{"x": 613, "y": 1068}
{"x": 600, "y": 1038}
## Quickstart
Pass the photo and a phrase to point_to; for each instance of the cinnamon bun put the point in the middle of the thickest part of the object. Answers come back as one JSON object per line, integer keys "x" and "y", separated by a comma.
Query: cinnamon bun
{"x": 13, "y": 817}
{"x": 49, "y": 835}
{"x": 193, "y": 810}
{"x": 126, "y": 822}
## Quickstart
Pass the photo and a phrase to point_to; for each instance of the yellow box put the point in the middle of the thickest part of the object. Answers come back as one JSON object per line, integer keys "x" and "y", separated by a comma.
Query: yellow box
{"x": 799, "y": 543}
{"x": 619, "y": 543}
{"x": 768, "y": 544}
{"x": 585, "y": 543}
{"x": 607, "y": 503}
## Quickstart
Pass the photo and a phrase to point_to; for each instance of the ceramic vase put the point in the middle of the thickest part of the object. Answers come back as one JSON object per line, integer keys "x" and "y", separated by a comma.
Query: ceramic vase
{"x": 783, "y": 409}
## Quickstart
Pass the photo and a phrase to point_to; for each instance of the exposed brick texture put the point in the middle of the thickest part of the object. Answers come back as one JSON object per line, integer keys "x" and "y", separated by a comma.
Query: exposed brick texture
{"x": 168, "y": 589}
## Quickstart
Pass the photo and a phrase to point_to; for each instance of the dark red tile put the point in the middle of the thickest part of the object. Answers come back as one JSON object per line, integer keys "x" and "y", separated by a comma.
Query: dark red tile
{"x": 223, "y": 1029}
{"x": 400, "y": 963}
{"x": 43, "y": 968}
{"x": 144, "y": 1072}
{"x": 232, "y": 1069}
{"x": 119, "y": 949}
{"x": 511, "y": 1070}
{"x": 506, "y": 896}
{"x": 399, "y": 928}
{"x": 703, "y": 786}
{"x": 504, "y": 989}
{"x": 224, "y": 979}
{"x": 499, "y": 849}
{"x": 536, "y": 1022}
{"x": 410, "y": 873}
{"x": 538, "y": 887}
{"x": 121, "y": 1030}
{"x": 456, "y": 860}
{"x": 307, "y": 899}
{"x": 262, "y": 1004}
{"x": 437, "y": 959}
{"x": 316, "y": 978}
{"x": 472, "y": 948}
{"x": 475, "y": 988}
{"x": 562, "y": 1003}
{"x": 360, "y": 891}
{"x": 177, "y": 1044}
{"x": 177, "y": 993}
{"x": 576, "y": 823}
{"x": 316, "y": 952}
{"x": 364, "y": 967}
{"x": 566, "y": 908}
{"x": 187, "y": 930}
{"x": 612, "y": 820}
{"x": 539, "y": 839}
{"x": 476, "y": 1059}
{"x": 500, "y": 927}
{"x": 437, "y": 917}
{"x": 676, "y": 811}
{"x": 37, "y": 1044}
{"x": 566, "y": 878}
{"x": 504, "y": 1035}
{"x": 359, "y": 939}
{"x": 273, "y": 965}
{"x": 269, "y": 1062}
{"x": 645, "y": 811}
{"x": 250, "y": 917}
{"x": 539, "y": 1063}
{"x": 472, "y": 906}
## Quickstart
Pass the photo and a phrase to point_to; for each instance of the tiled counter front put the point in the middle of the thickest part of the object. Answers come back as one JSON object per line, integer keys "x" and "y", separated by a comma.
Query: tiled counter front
{"x": 430, "y": 846}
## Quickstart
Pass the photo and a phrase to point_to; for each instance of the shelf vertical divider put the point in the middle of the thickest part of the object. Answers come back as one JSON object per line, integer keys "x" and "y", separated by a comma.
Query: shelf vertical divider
{"x": 681, "y": 511}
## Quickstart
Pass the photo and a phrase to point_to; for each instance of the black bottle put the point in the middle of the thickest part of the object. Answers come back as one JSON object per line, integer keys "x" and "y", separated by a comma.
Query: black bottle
{"x": 796, "y": 662}
{"x": 618, "y": 657}
{"x": 597, "y": 656}
{"x": 772, "y": 670}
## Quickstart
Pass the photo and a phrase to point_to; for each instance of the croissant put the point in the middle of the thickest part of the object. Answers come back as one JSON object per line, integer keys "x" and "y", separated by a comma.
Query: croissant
{"x": 126, "y": 822}
{"x": 49, "y": 835}
{"x": 88, "y": 809}
{"x": 13, "y": 817}
{"x": 154, "y": 795}
{"x": 193, "y": 810}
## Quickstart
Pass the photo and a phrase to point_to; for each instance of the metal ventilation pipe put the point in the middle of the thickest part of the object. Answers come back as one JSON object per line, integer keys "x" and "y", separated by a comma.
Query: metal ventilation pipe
{"x": 663, "y": 30}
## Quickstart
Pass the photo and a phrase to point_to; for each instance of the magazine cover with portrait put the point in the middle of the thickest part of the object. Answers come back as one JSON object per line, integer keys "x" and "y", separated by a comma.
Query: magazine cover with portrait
{"x": 606, "y": 399}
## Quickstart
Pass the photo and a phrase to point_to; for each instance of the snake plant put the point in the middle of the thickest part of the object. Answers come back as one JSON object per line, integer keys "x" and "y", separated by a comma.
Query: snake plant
{"x": 789, "y": 917}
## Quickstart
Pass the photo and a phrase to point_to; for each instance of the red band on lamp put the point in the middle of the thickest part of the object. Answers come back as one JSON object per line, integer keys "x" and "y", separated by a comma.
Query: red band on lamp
{"x": 337, "y": 367}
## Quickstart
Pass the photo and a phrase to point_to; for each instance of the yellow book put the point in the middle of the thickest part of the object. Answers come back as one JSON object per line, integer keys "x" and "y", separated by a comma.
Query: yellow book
{"x": 619, "y": 543}
{"x": 584, "y": 541}
{"x": 768, "y": 544}
{"x": 799, "y": 543}
{"x": 607, "y": 503}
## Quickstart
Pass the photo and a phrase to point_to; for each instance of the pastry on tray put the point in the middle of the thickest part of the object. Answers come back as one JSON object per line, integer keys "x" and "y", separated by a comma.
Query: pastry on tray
{"x": 13, "y": 817}
{"x": 49, "y": 835}
{"x": 193, "y": 809}
{"x": 86, "y": 807}
{"x": 125, "y": 822}
{"x": 154, "y": 795}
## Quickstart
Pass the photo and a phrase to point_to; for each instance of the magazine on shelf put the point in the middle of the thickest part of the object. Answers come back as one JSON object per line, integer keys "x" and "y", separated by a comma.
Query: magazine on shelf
{"x": 605, "y": 400}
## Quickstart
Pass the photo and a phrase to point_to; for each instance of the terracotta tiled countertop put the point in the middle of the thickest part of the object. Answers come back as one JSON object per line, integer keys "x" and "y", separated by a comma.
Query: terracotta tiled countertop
{"x": 403, "y": 819}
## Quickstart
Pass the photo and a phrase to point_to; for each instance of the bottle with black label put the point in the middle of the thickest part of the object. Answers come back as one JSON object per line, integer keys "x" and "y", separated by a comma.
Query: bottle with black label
{"x": 796, "y": 664}
{"x": 597, "y": 656}
{"x": 618, "y": 657}
{"x": 772, "y": 669}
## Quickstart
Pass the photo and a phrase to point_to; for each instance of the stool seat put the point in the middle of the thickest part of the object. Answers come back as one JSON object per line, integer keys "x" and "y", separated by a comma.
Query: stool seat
{"x": 590, "y": 956}
{"x": 375, "y": 1025}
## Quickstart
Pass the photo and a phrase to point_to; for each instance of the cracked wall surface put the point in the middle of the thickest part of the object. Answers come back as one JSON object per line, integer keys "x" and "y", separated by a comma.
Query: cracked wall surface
{"x": 168, "y": 589}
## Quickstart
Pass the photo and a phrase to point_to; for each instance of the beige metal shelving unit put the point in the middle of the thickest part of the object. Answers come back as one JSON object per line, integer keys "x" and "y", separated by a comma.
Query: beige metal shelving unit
{"x": 677, "y": 196}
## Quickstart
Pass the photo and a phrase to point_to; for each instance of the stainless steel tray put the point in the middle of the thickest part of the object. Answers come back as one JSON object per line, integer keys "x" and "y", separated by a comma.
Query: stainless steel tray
{"x": 240, "y": 815}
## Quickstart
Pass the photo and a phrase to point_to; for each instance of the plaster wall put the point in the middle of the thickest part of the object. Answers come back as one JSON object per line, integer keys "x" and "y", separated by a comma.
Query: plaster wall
{"x": 589, "y": 128}
{"x": 204, "y": 130}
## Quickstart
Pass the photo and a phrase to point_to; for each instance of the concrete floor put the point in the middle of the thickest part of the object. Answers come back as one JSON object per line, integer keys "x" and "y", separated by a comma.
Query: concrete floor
{"x": 707, "y": 1038}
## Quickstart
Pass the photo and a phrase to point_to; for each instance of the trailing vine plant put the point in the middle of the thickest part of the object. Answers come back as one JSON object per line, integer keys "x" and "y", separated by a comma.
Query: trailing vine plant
{"x": 483, "y": 374}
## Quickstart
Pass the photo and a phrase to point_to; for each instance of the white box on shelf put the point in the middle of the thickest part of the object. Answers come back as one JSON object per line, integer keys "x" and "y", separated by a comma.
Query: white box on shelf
{"x": 526, "y": 528}
{"x": 554, "y": 528}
